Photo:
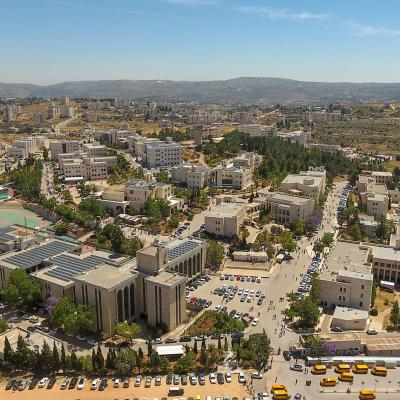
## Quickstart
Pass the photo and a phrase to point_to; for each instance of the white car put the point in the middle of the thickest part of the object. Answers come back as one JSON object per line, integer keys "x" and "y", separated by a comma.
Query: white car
{"x": 256, "y": 375}
{"x": 81, "y": 383}
{"x": 42, "y": 382}
{"x": 241, "y": 378}
{"x": 263, "y": 396}
{"x": 228, "y": 377}
{"x": 117, "y": 382}
{"x": 95, "y": 382}
{"x": 254, "y": 322}
{"x": 64, "y": 384}
{"x": 213, "y": 379}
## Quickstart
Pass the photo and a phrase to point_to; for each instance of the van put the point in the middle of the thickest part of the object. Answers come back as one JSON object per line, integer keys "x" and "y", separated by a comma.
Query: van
{"x": 318, "y": 369}
{"x": 379, "y": 371}
{"x": 340, "y": 368}
{"x": 278, "y": 386}
{"x": 280, "y": 395}
{"x": 175, "y": 391}
{"x": 328, "y": 382}
{"x": 360, "y": 369}
{"x": 366, "y": 394}
{"x": 346, "y": 377}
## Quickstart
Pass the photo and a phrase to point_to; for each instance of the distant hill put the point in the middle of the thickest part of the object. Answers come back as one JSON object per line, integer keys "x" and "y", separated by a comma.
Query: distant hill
{"x": 275, "y": 90}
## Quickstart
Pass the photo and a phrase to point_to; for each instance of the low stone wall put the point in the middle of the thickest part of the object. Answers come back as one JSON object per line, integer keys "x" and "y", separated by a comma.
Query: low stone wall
{"x": 43, "y": 212}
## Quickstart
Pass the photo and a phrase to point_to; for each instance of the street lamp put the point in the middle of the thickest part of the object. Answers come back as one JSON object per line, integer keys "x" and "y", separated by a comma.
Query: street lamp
{"x": 387, "y": 387}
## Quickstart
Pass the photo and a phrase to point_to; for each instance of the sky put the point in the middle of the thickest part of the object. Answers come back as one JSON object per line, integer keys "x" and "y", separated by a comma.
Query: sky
{"x": 50, "y": 41}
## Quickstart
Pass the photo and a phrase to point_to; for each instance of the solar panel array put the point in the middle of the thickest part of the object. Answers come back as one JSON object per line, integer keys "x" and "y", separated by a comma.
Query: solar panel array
{"x": 4, "y": 230}
{"x": 35, "y": 256}
{"x": 67, "y": 266}
{"x": 181, "y": 249}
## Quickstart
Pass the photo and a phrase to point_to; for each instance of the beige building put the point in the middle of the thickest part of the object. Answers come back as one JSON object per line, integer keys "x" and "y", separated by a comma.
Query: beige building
{"x": 248, "y": 160}
{"x": 238, "y": 178}
{"x": 377, "y": 204}
{"x": 310, "y": 184}
{"x": 380, "y": 177}
{"x": 192, "y": 176}
{"x": 160, "y": 154}
{"x": 349, "y": 319}
{"x": 346, "y": 280}
{"x": 95, "y": 150}
{"x": 225, "y": 219}
{"x": 152, "y": 286}
{"x": 21, "y": 148}
{"x": 285, "y": 208}
{"x": 79, "y": 165}
{"x": 63, "y": 147}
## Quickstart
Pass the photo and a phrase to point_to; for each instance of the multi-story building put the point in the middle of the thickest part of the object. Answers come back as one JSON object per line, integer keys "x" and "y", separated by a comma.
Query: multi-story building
{"x": 192, "y": 176}
{"x": 95, "y": 150}
{"x": 68, "y": 112}
{"x": 152, "y": 286}
{"x": 197, "y": 134}
{"x": 285, "y": 208}
{"x": 225, "y": 219}
{"x": 230, "y": 176}
{"x": 377, "y": 204}
{"x": 248, "y": 160}
{"x": 310, "y": 184}
{"x": 161, "y": 154}
{"x": 299, "y": 137}
{"x": 138, "y": 191}
{"x": 21, "y": 148}
{"x": 63, "y": 147}
{"x": 322, "y": 116}
{"x": 256, "y": 130}
{"x": 9, "y": 114}
{"x": 379, "y": 177}
{"x": 53, "y": 112}
{"x": 347, "y": 279}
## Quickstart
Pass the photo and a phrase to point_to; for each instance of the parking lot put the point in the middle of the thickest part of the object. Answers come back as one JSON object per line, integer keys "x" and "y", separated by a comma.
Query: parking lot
{"x": 234, "y": 296}
{"x": 226, "y": 390}
{"x": 385, "y": 387}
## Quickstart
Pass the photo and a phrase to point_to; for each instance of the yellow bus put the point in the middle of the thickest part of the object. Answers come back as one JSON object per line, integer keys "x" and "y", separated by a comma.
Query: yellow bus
{"x": 281, "y": 395}
{"x": 346, "y": 377}
{"x": 278, "y": 386}
{"x": 366, "y": 394}
{"x": 360, "y": 369}
{"x": 318, "y": 369}
{"x": 379, "y": 371}
{"x": 328, "y": 382}
{"x": 340, "y": 368}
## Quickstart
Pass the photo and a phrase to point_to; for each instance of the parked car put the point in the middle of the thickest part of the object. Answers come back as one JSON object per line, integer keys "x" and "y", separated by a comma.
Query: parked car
{"x": 138, "y": 380}
{"x": 228, "y": 377}
{"x": 127, "y": 381}
{"x": 297, "y": 367}
{"x": 220, "y": 378}
{"x": 94, "y": 384}
{"x": 103, "y": 384}
{"x": 286, "y": 355}
{"x": 23, "y": 385}
{"x": 213, "y": 379}
{"x": 42, "y": 382}
{"x": 241, "y": 378}
{"x": 73, "y": 383}
{"x": 10, "y": 384}
{"x": 256, "y": 375}
{"x": 51, "y": 383}
{"x": 81, "y": 383}
{"x": 64, "y": 384}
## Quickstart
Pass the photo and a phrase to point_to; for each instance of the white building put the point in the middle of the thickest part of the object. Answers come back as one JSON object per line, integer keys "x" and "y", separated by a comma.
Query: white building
{"x": 63, "y": 147}
{"x": 95, "y": 150}
{"x": 225, "y": 219}
{"x": 161, "y": 154}
{"x": 192, "y": 176}
{"x": 224, "y": 176}
{"x": 248, "y": 160}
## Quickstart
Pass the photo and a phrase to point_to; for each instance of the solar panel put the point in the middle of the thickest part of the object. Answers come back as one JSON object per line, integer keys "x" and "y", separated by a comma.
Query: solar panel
{"x": 35, "y": 256}
{"x": 181, "y": 249}
{"x": 67, "y": 266}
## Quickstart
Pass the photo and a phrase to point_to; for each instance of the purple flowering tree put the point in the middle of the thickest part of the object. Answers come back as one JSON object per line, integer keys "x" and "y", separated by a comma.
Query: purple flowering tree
{"x": 314, "y": 221}
{"x": 50, "y": 303}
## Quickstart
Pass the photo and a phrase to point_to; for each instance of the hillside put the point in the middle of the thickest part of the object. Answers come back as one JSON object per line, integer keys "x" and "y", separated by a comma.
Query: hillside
{"x": 274, "y": 90}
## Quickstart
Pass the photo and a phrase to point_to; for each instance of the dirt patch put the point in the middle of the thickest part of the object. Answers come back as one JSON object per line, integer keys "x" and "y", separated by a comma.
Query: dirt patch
{"x": 384, "y": 300}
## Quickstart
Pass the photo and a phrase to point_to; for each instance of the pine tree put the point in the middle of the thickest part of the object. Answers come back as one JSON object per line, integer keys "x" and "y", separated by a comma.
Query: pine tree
{"x": 74, "y": 361}
{"x": 203, "y": 343}
{"x": 195, "y": 350}
{"x": 8, "y": 352}
{"x": 219, "y": 344}
{"x": 94, "y": 361}
{"x": 140, "y": 353}
{"x": 203, "y": 357}
{"x": 46, "y": 357}
{"x": 100, "y": 359}
{"x": 109, "y": 360}
{"x": 63, "y": 359}
{"x": 226, "y": 346}
{"x": 395, "y": 315}
{"x": 56, "y": 358}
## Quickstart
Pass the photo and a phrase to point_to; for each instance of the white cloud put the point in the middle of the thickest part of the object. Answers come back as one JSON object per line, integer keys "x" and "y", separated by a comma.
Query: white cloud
{"x": 367, "y": 30}
{"x": 283, "y": 13}
{"x": 192, "y": 2}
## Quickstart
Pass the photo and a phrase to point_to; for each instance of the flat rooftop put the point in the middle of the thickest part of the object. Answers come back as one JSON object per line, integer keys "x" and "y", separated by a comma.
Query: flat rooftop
{"x": 225, "y": 210}
{"x": 346, "y": 257}
{"x": 385, "y": 252}
{"x": 304, "y": 179}
{"x": 283, "y": 198}
{"x": 166, "y": 279}
{"x": 180, "y": 247}
{"x": 349, "y": 314}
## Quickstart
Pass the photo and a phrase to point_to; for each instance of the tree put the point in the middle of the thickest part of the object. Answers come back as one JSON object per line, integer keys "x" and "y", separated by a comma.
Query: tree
{"x": 215, "y": 254}
{"x": 185, "y": 364}
{"x": 56, "y": 362}
{"x": 327, "y": 239}
{"x": 260, "y": 347}
{"x": 127, "y": 330}
{"x": 85, "y": 364}
{"x": 155, "y": 361}
{"x": 287, "y": 242}
{"x": 226, "y": 346}
{"x": 63, "y": 359}
{"x": 74, "y": 361}
{"x": 23, "y": 357}
{"x": 299, "y": 227}
{"x": 45, "y": 154}
{"x": 195, "y": 349}
{"x": 21, "y": 290}
{"x": 125, "y": 361}
{"x": 3, "y": 325}
{"x": 100, "y": 359}
{"x": 203, "y": 357}
{"x": 46, "y": 357}
{"x": 355, "y": 232}
{"x": 395, "y": 315}
{"x": 306, "y": 309}
{"x": 8, "y": 352}
{"x": 219, "y": 344}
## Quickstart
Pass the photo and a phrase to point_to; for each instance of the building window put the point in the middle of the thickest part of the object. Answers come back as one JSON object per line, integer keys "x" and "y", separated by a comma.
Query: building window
{"x": 340, "y": 298}
{"x": 362, "y": 286}
{"x": 361, "y": 303}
